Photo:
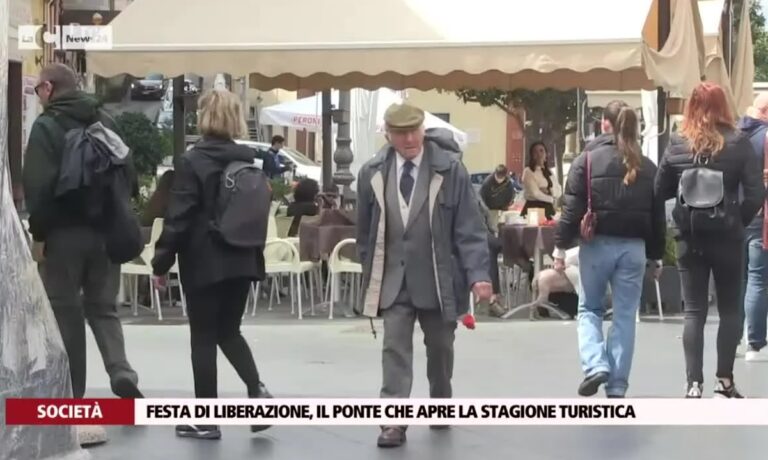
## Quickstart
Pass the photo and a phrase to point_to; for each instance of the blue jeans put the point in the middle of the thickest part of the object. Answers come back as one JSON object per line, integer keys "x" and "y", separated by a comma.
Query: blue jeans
{"x": 756, "y": 293}
{"x": 620, "y": 262}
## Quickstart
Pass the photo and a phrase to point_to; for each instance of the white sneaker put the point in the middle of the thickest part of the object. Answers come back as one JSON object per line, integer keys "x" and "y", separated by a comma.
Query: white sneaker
{"x": 740, "y": 353}
{"x": 756, "y": 355}
{"x": 90, "y": 435}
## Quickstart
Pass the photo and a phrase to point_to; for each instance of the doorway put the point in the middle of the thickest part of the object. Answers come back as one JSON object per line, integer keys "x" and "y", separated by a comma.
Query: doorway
{"x": 14, "y": 131}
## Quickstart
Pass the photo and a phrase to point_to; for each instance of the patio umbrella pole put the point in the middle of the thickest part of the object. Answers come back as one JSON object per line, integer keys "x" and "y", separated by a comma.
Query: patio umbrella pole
{"x": 327, "y": 140}
{"x": 179, "y": 122}
{"x": 665, "y": 23}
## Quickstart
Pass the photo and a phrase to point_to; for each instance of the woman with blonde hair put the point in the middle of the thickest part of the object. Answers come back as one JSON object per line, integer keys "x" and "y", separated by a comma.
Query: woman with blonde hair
{"x": 217, "y": 277}
{"x": 611, "y": 206}
{"x": 711, "y": 158}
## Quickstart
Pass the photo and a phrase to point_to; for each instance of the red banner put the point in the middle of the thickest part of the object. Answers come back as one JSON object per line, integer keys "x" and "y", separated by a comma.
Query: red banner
{"x": 69, "y": 411}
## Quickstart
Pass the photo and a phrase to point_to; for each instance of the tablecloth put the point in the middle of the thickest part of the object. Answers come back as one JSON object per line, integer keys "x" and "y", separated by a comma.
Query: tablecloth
{"x": 519, "y": 242}
{"x": 320, "y": 234}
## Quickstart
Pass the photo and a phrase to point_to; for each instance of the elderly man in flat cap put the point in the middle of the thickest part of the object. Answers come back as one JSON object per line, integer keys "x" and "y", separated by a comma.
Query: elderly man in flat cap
{"x": 423, "y": 246}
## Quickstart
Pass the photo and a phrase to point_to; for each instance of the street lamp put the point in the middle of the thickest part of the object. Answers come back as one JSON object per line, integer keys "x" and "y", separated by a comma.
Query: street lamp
{"x": 343, "y": 155}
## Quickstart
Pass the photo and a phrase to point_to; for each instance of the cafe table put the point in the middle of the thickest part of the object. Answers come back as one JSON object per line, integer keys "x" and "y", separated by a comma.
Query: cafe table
{"x": 521, "y": 243}
{"x": 319, "y": 235}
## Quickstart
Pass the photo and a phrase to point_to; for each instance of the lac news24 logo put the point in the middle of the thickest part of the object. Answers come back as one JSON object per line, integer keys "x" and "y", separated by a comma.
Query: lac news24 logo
{"x": 70, "y": 37}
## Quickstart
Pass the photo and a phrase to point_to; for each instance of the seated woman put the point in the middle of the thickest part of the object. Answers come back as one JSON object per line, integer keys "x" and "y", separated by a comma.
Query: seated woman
{"x": 540, "y": 186}
{"x": 304, "y": 196}
{"x": 550, "y": 281}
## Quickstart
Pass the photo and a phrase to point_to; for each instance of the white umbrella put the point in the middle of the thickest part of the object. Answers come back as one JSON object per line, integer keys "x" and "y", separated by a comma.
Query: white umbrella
{"x": 307, "y": 114}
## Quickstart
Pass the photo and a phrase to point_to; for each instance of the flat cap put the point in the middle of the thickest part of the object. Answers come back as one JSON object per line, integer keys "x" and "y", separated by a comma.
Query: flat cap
{"x": 403, "y": 116}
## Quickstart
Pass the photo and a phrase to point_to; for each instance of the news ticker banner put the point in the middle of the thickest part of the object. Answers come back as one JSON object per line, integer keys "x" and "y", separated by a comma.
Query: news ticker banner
{"x": 309, "y": 412}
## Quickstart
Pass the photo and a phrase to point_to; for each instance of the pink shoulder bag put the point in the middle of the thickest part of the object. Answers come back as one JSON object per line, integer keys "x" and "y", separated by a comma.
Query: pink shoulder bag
{"x": 589, "y": 221}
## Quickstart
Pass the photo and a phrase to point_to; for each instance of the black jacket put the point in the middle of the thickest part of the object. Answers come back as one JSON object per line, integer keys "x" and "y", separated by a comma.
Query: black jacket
{"x": 497, "y": 196}
{"x": 740, "y": 166}
{"x": 203, "y": 259}
{"x": 625, "y": 211}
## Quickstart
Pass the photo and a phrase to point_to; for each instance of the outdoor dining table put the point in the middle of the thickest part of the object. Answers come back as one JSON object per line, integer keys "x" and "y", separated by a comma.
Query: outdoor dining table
{"x": 317, "y": 241}
{"x": 521, "y": 243}
{"x": 319, "y": 235}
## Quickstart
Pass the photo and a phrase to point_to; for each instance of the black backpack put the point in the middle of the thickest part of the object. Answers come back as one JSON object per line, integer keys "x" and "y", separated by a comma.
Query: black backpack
{"x": 703, "y": 204}
{"x": 99, "y": 184}
{"x": 241, "y": 209}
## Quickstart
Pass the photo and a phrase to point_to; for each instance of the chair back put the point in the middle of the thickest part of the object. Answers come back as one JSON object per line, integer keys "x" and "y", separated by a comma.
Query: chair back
{"x": 335, "y": 259}
{"x": 157, "y": 230}
{"x": 272, "y": 232}
{"x": 278, "y": 251}
{"x": 283, "y": 225}
{"x": 148, "y": 253}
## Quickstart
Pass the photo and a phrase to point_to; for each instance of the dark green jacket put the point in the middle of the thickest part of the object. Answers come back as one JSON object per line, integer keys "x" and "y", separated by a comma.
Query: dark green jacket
{"x": 42, "y": 161}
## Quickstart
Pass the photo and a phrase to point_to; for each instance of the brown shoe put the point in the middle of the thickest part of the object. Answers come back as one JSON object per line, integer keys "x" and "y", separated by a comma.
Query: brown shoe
{"x": 391, "y": 436}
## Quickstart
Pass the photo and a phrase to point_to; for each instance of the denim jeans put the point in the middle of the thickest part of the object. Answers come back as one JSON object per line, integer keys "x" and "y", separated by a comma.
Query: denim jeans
{"x": 756, "y": 293}
{"x": 620, "y": 263}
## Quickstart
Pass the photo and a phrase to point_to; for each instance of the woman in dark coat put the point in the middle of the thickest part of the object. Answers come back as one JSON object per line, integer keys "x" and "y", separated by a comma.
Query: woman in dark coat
{"x": 709, "y": 139}
{"x": 217, "y": 277}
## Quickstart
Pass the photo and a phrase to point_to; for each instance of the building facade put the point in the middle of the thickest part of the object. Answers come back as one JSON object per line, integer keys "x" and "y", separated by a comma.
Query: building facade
{"x": 20, "y": 110}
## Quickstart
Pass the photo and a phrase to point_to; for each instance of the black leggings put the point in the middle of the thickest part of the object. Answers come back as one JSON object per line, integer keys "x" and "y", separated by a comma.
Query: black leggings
{"x": 494, "y": 248}
{"x": 724, "y": 258}
{"x": 214, "y": 314}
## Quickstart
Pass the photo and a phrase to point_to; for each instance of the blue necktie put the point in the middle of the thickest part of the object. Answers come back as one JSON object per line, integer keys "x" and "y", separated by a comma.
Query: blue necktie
{"x": 406, "y": 181}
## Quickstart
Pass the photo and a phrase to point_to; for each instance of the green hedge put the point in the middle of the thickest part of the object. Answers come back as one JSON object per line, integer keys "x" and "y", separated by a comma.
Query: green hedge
{"x": 670, "y": 253}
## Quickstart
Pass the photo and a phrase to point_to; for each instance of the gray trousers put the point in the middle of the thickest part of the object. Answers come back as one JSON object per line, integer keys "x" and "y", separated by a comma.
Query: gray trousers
{"x": 82, "y": 284}
{"x": 397, "y": 355}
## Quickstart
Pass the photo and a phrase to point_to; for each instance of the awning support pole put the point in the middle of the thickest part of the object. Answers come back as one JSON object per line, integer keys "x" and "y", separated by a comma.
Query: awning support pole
{"x": 665, "y": 23}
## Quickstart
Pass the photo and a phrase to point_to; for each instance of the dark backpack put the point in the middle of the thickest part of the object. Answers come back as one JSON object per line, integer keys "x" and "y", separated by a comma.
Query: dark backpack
{"x": 703, "y": 205}
{"x": 99, "y": 183}
{"x": 241, "y": 210}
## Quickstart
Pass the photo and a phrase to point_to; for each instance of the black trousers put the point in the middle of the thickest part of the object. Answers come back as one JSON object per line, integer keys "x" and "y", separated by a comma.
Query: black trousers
{"x": 215, "y": 313}
{"x": 549, "y": 208}
{"x": 724, "y": 259}
{"x": 494, "y": 248}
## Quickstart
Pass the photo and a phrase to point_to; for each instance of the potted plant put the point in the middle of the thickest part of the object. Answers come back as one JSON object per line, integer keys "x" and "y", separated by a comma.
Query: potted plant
{"x": 280, "y": 190}
{"x": 669, "y": 282}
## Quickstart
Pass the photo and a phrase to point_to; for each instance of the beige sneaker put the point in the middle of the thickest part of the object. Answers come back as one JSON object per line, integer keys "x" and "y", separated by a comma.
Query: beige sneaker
{"x": 91, "y": 435}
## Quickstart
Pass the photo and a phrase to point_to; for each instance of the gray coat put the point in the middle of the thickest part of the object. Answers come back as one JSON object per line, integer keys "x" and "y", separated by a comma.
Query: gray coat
{"x": 459, "y": 236}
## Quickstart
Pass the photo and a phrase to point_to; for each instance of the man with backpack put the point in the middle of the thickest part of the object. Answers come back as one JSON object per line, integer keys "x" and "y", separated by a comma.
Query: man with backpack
{"x": 74, "y": 250}
{"x": 755, "y": 125}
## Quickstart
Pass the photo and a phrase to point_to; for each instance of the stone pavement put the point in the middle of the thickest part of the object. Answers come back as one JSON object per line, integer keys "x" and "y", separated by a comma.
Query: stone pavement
{"x": 341, "y": 359}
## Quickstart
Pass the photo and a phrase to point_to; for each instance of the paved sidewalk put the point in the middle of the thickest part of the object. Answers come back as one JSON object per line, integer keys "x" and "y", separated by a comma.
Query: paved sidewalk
{"x": 518, "y": 359}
